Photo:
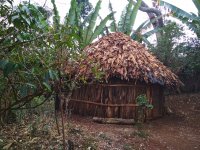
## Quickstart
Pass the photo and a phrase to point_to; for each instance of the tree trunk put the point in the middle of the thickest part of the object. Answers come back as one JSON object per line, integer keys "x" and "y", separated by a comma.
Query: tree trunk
{"x": 153, "y": 13}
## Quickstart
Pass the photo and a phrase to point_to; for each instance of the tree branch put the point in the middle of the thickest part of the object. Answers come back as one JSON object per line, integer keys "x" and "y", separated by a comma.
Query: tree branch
{"x": 23, "y": 100}
{"x": 152, "y": 13}
{"x": 33, "y": 106}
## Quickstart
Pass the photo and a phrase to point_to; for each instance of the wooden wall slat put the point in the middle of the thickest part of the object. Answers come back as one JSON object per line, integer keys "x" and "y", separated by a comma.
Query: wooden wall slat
{"x": 113, "y": 100}
{"x": 108, "y": 105}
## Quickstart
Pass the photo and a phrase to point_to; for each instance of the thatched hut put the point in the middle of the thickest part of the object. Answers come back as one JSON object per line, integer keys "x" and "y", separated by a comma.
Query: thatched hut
{"x": 129, "y": 70}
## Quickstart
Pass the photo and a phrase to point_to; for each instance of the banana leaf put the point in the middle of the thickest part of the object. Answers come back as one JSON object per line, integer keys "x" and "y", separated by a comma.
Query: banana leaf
{"x": 190, "y": 19}
{"x": 113, "y": 25}
{"x": 133, "y": 17}
{"x": 197, "y": 4}
{"x": 92, "y": 22}
{"x": 143, "y": 25}
{"x": 125, "y": 17}
{"x": 100, "y": 27}
{"x": 70, "y": 17}
{"x": 177, "y": 12}
{"x": 147, "y": 42}
{"x": 147, "y": 23}
{"x": 149, "y": 33}
{"x": 56, "y": 17}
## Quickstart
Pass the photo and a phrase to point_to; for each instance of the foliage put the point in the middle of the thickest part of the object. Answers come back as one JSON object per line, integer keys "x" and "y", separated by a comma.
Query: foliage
{"x": 143, "y": 104}
{"x": 191, "y": 59}
{"x": 127, "y": 21}
{"x": 56, "y": 17}
{"x": 87, "y": 28}
{"x": 85, "y": 6}
{"x": 32, "y": 54}
{"x": 169, "y": 46}
{"x": 127, "y": 18}
{"x": 113, "y": 25}
{"x": 143, "y": 101}
{"x": 180, "y": 53}
{"x": 190, "y": 19}
{"x": 22, "y": 67}
{"x": 91, "y": 31}
{"x": 36, "y": 59}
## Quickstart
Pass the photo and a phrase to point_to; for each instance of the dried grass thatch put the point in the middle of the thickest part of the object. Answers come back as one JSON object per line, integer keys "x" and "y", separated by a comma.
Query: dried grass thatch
{"x": 117, "y": 55}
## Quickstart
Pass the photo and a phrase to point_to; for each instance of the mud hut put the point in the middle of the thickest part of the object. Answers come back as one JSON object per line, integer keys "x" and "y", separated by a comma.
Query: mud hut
{"x": 129, "y": 70}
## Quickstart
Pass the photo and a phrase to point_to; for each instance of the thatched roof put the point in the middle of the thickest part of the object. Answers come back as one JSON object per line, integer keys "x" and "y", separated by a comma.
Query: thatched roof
{"x": 117, "y": 55}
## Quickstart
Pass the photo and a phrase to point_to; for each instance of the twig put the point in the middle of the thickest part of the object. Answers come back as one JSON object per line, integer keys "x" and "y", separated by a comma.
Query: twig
{"x": 23, "y": 42}
{"x": 23, "y": 100}
{"x": 33, "y": 106}
{"x": 57, "y": 123}
{"x": 44, "y": 3}
{"x": 63, "y": 128}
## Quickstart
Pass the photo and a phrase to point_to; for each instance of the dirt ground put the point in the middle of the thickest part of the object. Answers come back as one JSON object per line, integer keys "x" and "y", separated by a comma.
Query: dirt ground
{"x": 180, "y": 130}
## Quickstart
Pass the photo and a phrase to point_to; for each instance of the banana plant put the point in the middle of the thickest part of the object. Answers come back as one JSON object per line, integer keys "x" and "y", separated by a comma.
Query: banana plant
{"x": 138, "y": 34}
{"x": 197, "y": 4}
{"x": 56, "y": 17}
{"x": 127, "y": 18}
{"x": 190, "y": 19}
{"x": 91, "y": 31}
{"x": 88, "y": 30}
{"x": 127, "y": 21}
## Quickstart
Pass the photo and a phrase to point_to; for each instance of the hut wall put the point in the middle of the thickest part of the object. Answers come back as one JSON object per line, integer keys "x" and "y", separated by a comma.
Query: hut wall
{"x": 158, "y": 101}
{"x": 114, "y": 100}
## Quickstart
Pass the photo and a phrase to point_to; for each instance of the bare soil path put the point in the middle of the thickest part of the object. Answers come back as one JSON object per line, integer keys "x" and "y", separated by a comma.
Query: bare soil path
{"x": 177, "y": 131}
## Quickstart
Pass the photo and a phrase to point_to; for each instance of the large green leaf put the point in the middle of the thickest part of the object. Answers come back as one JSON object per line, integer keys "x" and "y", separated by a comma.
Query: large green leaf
{"x": 125, "y": 17}
{"x": 151, "y": 32}
{"x": 71, "y": 17}
{"x": 3, "y": 63}
{"x": 47, "y": 86}
{"x": 9, "y": 68}
{"x": 92, "y": 22}
{"x": 23, "y": 91}
{"x": 28, "y": 16}
{"x": 26, "y": 89}
{"x": 113, "y": 25}
{"x": 100, "y": 27}
{"x": 147, "y": 41}
{"x": 133, "y": 17}
{"x": 190, "y": 19}
{"x": 197, "y": 4}
{"x": 51, "y": 75}
{"x": 138, "y": 35}
{"x": 143, "y": 25}
{"x": 56, "y": 17}
{"x": 177, "y": 12}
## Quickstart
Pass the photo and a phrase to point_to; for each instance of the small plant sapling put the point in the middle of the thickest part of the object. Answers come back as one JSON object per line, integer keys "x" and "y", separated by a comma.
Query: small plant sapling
{"x": 143, "y": 105}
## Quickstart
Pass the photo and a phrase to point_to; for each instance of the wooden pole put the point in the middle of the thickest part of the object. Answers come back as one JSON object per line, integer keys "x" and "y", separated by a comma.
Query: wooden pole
{"x": 114, "y": 121}
{"x": 62, "y": 119}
